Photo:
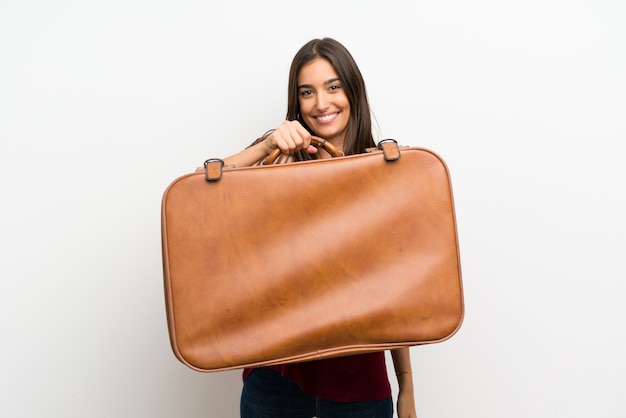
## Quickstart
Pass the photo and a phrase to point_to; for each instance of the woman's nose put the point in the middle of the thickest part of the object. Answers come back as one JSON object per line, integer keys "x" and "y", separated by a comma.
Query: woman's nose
{"x": 322, "y": 102}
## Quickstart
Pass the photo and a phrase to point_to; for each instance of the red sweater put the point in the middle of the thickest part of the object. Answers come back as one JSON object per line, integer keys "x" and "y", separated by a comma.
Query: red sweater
{"x": 356, "y": 378}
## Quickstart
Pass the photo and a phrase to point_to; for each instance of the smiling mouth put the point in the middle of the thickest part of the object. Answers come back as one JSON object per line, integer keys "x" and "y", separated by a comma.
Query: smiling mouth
{"x": 327, "y": 118}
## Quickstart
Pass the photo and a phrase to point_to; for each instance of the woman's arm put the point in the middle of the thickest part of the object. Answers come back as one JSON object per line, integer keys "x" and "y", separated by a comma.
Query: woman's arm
{"x": 406, "y": 398}
{"x": 290, "y": 137}
{"x": 250, "y": 155}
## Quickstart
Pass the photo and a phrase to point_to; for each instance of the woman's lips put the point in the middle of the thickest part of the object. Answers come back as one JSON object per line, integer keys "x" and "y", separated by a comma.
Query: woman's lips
{"x": 328, "y": 118}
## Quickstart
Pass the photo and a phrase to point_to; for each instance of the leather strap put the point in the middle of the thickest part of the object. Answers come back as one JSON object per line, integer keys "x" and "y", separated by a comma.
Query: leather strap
{"x": 390, "y": 149}
{"x": 213, "y": 169}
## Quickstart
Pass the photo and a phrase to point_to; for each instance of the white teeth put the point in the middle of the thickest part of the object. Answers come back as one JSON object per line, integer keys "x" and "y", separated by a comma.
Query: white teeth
{"x": 326, "y": 117}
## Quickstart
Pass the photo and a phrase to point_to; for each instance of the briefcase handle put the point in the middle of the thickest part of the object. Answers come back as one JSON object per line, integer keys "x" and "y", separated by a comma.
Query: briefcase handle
{"x": 213, "y": 166}
{"x": 315, "y": 141}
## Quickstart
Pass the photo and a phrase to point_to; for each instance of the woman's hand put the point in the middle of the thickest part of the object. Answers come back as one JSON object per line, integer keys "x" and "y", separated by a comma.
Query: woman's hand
{"x": 289, "y": 137}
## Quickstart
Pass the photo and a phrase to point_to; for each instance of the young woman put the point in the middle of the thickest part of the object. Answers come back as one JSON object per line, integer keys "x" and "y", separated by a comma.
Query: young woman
{"x": 327, "y": 98}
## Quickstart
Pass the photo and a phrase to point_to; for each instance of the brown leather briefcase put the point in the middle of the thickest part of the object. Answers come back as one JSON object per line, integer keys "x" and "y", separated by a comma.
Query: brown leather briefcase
{"x": 293, "y": 262}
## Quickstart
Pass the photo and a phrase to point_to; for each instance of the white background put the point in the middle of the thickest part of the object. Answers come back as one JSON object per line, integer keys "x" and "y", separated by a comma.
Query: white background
{"x": 104, "y": 103}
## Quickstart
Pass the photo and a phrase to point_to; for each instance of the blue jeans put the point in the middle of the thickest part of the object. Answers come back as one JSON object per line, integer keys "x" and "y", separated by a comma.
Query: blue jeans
{"x": 266, "y": 394}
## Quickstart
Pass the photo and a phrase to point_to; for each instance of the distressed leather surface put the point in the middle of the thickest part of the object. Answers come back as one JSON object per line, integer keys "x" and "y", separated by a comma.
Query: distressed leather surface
{"x": 283, "y": 263}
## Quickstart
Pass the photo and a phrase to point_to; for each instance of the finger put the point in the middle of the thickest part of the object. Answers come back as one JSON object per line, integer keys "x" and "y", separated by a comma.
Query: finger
{"x": 283, "y": 142}
{"x": 296, "y": 141}
{"x": 291, "y": 137}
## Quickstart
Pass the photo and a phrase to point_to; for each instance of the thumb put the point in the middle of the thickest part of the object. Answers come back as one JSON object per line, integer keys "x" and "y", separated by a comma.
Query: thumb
{"x": 311, "y": 150}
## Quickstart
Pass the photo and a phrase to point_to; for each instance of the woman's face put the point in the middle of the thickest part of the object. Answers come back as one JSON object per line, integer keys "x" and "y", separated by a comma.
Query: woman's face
{"x": 324, "y": 105}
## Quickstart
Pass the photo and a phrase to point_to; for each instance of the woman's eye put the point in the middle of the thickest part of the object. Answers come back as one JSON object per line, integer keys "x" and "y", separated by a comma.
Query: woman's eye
{"x": 334, "y": 87}
{"x": 306, "y": 93}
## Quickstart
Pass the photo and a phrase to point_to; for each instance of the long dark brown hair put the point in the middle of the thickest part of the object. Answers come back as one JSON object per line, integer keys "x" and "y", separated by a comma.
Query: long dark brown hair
{"x": 359, "y": 135}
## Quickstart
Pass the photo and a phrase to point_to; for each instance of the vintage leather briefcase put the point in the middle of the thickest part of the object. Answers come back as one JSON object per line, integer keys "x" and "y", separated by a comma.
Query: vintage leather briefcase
{"x": 284, "y": 263}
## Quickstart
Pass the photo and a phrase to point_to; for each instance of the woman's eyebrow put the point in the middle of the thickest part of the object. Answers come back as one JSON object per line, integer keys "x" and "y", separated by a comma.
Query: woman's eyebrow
{"x": 309, "y": 86}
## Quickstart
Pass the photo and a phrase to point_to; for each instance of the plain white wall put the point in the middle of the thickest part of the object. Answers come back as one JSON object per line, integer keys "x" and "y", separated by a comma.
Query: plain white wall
{"x": 104, "y": 103}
